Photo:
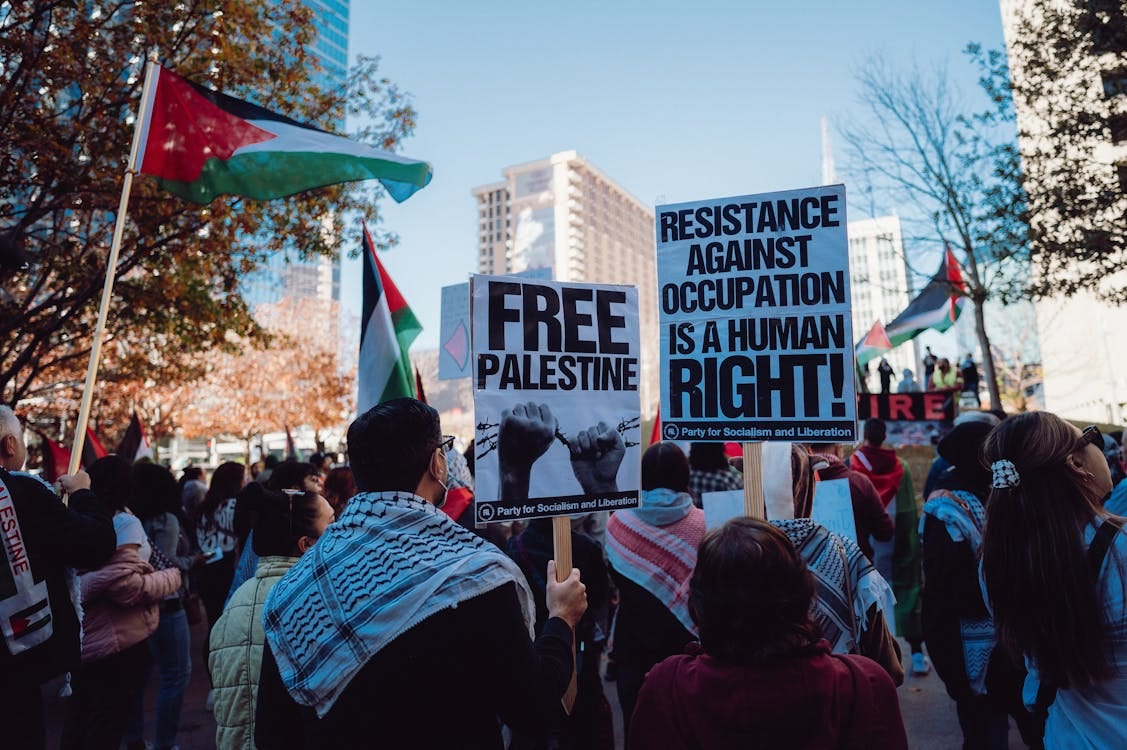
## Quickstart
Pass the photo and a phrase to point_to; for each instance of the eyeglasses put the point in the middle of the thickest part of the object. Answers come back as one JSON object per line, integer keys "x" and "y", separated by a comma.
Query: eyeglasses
{"x": 446, "y": 443}
{"x": 1091, "y": 436}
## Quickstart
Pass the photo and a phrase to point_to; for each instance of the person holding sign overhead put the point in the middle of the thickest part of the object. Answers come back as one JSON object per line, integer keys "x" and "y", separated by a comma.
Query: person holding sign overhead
{"x": 762, "y": 676}
{"x": 397, "y": 607}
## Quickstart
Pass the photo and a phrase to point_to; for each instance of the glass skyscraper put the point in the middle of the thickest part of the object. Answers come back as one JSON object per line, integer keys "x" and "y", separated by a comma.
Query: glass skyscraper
{"x": 286, "y": 274}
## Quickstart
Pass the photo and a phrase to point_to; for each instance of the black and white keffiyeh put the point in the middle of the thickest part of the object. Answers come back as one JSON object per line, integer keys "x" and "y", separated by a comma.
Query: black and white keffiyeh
{"x": 389, "y": 562}
{"x": 846, "y": 583}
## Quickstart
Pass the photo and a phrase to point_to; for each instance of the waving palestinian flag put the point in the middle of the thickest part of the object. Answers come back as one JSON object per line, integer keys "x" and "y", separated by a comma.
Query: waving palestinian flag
{"x": 936, "y": 307}
{"x": 202, "y": 144}
{"x": 388, "y": 329}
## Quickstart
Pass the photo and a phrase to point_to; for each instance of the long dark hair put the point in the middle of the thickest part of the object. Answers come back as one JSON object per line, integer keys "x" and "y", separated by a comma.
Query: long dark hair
{"x": 1034, "y": 561}
{"x": 750, "y": 594}
{"x": 226, "y": 483}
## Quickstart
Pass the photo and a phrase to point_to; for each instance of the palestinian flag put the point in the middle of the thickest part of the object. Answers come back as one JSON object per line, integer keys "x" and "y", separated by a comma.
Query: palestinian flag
{"x": 419, "y": 392}
{"x": 873, "y": 345}
{"x": 936, "y": 307}
{"x": 134, "y": 445}
{"x": 202, "y": 144}
{"x": 389, "y": 327}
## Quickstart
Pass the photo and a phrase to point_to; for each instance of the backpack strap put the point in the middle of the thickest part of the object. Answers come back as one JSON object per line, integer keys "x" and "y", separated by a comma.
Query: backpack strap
{"x": 1097, "y": 552}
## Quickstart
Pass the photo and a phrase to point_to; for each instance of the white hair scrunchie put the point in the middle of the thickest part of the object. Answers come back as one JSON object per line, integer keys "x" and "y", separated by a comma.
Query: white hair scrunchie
{"x": 1005, "y": 474}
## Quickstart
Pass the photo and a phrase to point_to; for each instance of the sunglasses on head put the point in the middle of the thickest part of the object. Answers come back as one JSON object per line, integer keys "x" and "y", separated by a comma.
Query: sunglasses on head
{"x": 1091, "y": 436}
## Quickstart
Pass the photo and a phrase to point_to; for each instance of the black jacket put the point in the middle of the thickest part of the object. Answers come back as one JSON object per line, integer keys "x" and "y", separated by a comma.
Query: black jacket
{"x": 442, "y": 684}
{"x": 57, "y": 537}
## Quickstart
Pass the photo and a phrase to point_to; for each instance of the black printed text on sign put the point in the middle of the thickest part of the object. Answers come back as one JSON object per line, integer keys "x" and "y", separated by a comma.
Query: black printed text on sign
{"x": 754, "y": 310}
{"x": 556, "y": 398}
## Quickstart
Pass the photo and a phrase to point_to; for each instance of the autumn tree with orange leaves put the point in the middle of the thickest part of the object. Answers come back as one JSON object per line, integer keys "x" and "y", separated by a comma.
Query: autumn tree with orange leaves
{"x": 69, "y": 90}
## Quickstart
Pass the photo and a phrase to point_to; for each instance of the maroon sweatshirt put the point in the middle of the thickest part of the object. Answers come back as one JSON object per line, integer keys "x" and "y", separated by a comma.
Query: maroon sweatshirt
{"x": 810, "y": 701}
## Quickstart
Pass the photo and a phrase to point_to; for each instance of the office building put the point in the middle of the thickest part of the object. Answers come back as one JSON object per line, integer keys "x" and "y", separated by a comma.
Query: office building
{"x": 879, "y": 283}
{"x": 562, "y": 213}
{"x": 286, "y": 274}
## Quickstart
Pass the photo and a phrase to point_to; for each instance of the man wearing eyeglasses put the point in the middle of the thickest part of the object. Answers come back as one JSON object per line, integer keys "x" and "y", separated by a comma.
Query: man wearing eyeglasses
{"x": 400, "y": 628}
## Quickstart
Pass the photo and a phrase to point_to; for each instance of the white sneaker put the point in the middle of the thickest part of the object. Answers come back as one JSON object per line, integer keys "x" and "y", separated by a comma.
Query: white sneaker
{"x": 920, "y": 664}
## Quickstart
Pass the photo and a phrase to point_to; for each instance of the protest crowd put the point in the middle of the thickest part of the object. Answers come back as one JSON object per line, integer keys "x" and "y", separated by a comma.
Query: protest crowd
{"x": 330, "y": 618}
{"x": 559, "y": 582}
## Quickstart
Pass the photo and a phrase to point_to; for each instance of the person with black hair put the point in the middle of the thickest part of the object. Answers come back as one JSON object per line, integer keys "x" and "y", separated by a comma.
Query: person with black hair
{"x": 401, "y": 622}
{"x": 710, "y": 471}
{"x": 761, "y": 675}
{"x": 287, "y": 524}
{"x": 652, "y": 550}
{"x": 156, "y": 503}
{"x": 287, "y": 476}
{"x": 119, "y": 612}
{"x": 983, "y": 680}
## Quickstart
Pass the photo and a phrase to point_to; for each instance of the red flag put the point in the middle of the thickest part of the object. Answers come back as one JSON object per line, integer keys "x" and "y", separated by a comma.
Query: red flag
{"x": 420, "y": 394}
{"x": 955, "y": 281}
{"x": 56, "y": 459}
{"x": 655, "y": 436}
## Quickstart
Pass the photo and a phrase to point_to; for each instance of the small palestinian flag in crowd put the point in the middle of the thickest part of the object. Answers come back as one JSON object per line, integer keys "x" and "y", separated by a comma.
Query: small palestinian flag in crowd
{"x": 134, "y": 445}
{"x": 203, "y": 143}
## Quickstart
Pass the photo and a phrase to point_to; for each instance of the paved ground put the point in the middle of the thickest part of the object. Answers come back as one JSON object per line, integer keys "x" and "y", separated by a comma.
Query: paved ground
{"x": 929, "y": 714}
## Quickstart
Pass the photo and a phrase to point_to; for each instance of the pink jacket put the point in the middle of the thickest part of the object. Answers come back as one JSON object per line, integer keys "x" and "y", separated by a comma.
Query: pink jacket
{"x": 119, "y": 602}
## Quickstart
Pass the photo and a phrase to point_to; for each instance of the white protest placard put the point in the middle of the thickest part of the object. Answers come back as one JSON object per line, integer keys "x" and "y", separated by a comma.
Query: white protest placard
{"x": 833, "y": 507}
{"x": 556, "y": 397}
{"x": 721, "y": 507}
{"x": 755, "y": 324}
{"x": 454, "y": 354}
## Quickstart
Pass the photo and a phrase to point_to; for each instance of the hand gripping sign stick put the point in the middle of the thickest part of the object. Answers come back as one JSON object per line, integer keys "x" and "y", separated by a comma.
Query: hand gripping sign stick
{"x": 561, "y": 537}
{"x": 111, "y": 271}
{"x": 753, "y": 481}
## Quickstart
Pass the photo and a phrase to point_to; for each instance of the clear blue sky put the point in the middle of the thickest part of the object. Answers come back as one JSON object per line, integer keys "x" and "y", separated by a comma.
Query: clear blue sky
{"x": 679, "y": 100}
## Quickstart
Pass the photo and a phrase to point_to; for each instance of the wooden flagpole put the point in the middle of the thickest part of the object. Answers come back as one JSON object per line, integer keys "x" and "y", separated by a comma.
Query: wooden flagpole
{"x": 754, "y": 504}
{"x": 561, "y": 538}
{"x": 111, "y": 272}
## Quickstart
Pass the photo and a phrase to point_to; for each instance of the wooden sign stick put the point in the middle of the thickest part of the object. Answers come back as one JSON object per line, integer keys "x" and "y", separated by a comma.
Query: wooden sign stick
{"x": 754, "y": 504}
{"x": 561, "y": 538}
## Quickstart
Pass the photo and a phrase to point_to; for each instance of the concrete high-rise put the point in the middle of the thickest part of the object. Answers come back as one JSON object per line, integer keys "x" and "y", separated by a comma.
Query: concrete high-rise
{"x": 562, "y": 213}
{"x": 879, "y": 282}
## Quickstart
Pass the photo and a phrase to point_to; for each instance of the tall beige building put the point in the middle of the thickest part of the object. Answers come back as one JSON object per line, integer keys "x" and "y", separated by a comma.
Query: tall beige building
{"x": 564, "y": 215}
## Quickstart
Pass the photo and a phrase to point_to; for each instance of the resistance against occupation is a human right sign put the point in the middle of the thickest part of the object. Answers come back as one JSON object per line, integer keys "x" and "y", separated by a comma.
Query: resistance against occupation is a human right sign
{"x": 754, "y": 306}
{"x": 556, "y": 398}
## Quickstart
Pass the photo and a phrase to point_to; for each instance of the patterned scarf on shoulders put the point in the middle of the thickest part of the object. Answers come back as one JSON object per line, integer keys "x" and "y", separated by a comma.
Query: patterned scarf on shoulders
{"x": 391, "y": 561}
{"x": 964, "y": 516}
{"x": 846, "y": 583}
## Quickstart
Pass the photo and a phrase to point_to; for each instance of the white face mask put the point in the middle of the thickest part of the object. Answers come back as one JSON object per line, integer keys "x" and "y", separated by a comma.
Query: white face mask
{"x": 445, "y": 489}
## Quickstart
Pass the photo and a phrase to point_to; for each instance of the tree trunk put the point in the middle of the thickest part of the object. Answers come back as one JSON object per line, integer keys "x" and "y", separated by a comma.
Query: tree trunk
{"x": 246, "y": 455}
{"x": 987, "y": 357}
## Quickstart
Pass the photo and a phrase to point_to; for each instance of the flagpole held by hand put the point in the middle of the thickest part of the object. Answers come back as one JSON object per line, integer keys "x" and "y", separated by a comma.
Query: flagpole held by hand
{"x": 111, "y": 270}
